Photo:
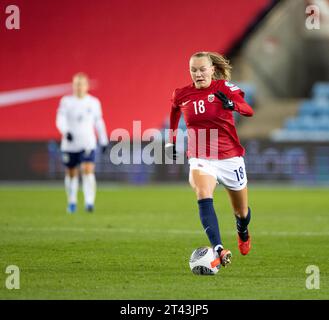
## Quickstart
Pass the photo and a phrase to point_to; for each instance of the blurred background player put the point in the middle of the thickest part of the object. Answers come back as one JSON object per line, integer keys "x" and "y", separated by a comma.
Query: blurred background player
{"x": 208, "y": 105}
{"x": 77, "y": 118}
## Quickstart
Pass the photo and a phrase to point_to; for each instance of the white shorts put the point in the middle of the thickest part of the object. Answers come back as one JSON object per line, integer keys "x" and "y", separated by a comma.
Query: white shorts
{"x": 229, "y": 172}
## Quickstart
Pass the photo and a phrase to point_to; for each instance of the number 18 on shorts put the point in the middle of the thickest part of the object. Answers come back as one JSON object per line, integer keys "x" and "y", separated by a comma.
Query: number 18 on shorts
{"x": 229, "y": 172}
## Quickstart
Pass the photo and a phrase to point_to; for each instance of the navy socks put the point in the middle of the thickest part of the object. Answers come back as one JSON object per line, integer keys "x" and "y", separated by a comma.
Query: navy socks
{"x": 242, "y": 226}
{"x": 209, "y": 221}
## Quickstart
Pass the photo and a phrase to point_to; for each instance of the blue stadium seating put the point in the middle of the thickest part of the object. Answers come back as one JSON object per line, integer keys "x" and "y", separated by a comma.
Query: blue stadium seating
{"x": 312, "y": 120}
{"x": 314, "y": 107}
{"x": 249, "y": 90}
{"x": 320, "y": 90}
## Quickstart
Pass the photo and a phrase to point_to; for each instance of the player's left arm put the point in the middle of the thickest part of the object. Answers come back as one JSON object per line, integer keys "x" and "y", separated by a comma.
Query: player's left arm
{"x": 241, "y": 106}
{"x": 232, "y": 98}
{"x": 100, "y": 126}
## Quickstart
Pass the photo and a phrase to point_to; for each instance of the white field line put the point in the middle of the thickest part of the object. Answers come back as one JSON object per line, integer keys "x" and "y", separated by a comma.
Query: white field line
{"x": 157, "y": 231}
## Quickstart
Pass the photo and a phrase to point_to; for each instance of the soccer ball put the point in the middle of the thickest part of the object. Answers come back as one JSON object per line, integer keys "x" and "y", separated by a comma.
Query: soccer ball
{"x": 204, "y": 261}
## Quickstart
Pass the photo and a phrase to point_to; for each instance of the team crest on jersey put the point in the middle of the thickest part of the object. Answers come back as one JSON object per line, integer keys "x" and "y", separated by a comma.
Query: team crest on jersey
{"x": 211, "y": 98}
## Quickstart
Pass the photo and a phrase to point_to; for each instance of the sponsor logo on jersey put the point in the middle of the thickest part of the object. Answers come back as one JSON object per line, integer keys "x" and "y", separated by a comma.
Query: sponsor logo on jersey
{"x": 229, "y": 84}
{"x": 211, "y": 98}
{"x": 232, "y": 86}
{"x": 185, "y": 102}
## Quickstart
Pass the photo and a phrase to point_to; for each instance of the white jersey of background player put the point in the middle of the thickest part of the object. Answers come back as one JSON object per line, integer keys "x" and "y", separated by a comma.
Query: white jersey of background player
{"x": 78, "y": 116}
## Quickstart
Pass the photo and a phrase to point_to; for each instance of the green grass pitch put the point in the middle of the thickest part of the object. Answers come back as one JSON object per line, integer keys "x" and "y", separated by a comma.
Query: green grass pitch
{"x": 137, "y": 244}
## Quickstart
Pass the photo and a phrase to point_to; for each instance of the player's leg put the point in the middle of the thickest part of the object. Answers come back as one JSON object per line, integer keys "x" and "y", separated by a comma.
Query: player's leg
{"x": 71, "y": 179}
{"x": 234, "y": 177}
{"x": 239, "y": 201}
{"x": 204, "y": 185}
{"x": 89, "y": 180}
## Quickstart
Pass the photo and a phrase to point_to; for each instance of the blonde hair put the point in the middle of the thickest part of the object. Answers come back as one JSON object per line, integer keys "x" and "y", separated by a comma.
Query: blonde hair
{"x": 81, "y": 75}
{"x": 221, "y": 64}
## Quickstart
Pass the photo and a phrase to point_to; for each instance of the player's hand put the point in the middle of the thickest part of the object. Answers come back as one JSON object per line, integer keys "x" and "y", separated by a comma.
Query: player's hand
{"x": 227, "y": 103}
{"x": 69, "y": 137}
{"x": 104, "y": 148}
{"x": 170, "y": 150}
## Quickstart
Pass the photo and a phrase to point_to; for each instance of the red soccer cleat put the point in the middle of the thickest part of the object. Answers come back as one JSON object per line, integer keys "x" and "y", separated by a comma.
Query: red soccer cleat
{"x": 225, "y": 257}
{"x": 244, "y": 246}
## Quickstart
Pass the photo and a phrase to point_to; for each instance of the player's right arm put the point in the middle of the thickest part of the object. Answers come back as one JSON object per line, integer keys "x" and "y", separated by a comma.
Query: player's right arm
{"x": 174, "y": 120}
{"x": 175, "y": 114}
{"x": 61, "y": 120}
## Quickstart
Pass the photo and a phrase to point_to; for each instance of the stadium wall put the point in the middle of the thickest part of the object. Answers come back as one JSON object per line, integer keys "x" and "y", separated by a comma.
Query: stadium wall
{"x": 295, "y": 163}
{"x": 136, "y": 53}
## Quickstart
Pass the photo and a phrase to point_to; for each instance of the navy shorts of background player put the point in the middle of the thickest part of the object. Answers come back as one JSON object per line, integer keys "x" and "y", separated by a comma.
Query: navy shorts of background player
{"x": 74, "y": 159}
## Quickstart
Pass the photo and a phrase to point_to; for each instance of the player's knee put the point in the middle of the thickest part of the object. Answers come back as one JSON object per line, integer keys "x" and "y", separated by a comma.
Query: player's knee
{"x": 88, "y": 169}
{"x": 241, "y": 212}
{"x": 203, "y": 192}
{"x": 72, "y": 172}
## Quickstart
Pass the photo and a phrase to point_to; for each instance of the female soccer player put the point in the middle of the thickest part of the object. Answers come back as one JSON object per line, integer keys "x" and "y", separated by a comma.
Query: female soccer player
{"x": 214, "y": 150}
{"x": 77, "y": 117}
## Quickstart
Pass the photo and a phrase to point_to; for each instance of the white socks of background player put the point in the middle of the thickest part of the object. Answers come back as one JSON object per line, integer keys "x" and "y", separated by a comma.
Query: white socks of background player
{"x": 71, "y": 187}
{"x": 89, "y": 188}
